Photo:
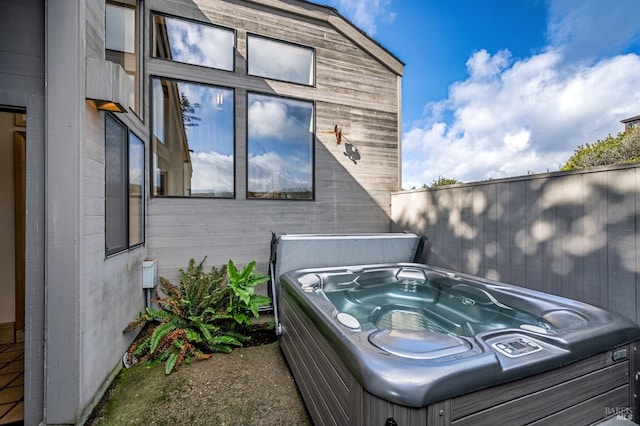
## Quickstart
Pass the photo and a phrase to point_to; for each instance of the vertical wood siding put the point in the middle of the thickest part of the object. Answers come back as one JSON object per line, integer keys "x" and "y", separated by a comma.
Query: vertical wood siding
{"x": 353, "y": 90}
{"x": 571, "y": 234}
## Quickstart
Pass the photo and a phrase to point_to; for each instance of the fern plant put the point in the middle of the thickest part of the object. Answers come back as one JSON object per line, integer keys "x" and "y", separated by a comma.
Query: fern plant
{"x": 196, "y": 319}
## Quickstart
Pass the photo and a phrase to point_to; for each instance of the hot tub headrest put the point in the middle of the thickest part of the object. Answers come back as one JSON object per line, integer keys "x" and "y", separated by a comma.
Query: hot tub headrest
{"x": 290, "y": 252}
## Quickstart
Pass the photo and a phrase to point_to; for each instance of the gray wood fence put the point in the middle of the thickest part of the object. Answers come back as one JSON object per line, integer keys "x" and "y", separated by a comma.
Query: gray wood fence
{"x": 573, "y": 234}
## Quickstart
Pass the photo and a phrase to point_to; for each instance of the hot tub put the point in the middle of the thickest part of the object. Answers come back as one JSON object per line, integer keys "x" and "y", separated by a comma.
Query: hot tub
{"x": 414, "y": 344}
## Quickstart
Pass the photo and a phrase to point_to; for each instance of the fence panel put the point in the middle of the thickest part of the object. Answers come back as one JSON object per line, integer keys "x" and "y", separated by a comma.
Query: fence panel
{"x": 574, "y": 234}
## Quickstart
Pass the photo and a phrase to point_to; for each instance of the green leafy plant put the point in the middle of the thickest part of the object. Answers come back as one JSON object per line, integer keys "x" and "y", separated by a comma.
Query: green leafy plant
{"x": 624, "y": 148}
{"x": 443, "y": 181}
{"x": 207, "y": 313}
{"x": 243, "y": 301}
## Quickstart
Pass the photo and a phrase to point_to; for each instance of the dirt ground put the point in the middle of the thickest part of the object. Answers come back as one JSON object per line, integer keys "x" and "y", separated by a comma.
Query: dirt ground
{"x": 249, "y": 386}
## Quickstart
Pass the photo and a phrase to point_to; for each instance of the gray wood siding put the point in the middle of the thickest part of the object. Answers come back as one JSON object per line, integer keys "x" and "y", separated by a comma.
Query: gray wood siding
{"x": 22, "y": 48}
{"x": 356, "y": 88}
{"x": 571, "y": 234}
{"x": 90, "y": 298}
{"x": 110, "y": 292}
{"x": 22, "y": 72}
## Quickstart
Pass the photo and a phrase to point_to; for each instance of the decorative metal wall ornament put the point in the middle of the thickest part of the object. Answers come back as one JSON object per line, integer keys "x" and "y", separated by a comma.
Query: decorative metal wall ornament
{"x": 350, "y": 149}
{"x": 337, "y": 131}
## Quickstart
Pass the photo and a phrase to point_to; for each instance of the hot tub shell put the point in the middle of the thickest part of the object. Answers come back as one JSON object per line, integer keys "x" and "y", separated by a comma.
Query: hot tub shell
{"x": 577, "y": 375}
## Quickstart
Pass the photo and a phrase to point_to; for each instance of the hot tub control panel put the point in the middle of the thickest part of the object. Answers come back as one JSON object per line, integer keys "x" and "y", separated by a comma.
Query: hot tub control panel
{"x": 516, "y": 347}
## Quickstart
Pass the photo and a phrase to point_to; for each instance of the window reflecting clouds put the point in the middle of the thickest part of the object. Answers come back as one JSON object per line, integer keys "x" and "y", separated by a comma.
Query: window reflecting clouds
{"x": 189, "y": 42}
{"x": 280, "y": 148}
{"x": 193, "y": 139}
{"x": 122, "y": 40}
{"x": 280, "y": 61}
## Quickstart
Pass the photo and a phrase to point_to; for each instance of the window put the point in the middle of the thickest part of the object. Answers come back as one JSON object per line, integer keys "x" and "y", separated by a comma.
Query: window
{"x": 136, "y": 190}
{"x": 193, "y": 139}
{"x": 122, "y": 43}
{"x": 124, "y": 187}
{"x": 193, "y": 43}
{"x": 279, "y": 148}
{"x": 280, "y": 61}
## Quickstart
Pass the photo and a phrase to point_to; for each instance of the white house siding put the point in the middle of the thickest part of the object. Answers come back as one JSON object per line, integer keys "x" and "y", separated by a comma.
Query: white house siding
{"x": 357, "y": 88}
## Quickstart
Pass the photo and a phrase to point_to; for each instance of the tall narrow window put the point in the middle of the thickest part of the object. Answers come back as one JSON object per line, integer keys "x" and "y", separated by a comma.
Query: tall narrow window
{"x": 280, "y": 61}
{"x": 193, "y": 43}
{"x": 193, "y": 140}
{"x": 122, "y": 43}
{"x": 124, "y": 187}
{"x": 136, "y": 190}
{"x": 279, "y": 147}
{"x": 159, "y": 97}
{"x": 117, "y": 235}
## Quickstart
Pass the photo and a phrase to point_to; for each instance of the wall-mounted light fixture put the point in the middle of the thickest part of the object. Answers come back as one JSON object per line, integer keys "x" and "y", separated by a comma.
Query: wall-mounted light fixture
{"x": 109, "y": 106}
{"x": 107, "y": 85}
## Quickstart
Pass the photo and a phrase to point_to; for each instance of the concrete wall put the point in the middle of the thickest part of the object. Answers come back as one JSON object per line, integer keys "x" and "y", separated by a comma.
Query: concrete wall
{"x": 22, "y": 70}
{"x": 357, "y": 87}
{"x": 573, "y": 234}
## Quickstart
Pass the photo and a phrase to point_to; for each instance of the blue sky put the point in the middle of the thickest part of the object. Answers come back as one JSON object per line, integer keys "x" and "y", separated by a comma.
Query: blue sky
{"x": 500, "y": 88}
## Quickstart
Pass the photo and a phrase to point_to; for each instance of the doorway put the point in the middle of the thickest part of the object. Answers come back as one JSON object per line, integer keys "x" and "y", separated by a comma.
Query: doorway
{"x": 13, "y": 137}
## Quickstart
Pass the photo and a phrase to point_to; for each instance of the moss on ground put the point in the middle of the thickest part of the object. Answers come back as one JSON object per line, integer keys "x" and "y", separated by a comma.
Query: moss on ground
{"x": 249, "y": 386}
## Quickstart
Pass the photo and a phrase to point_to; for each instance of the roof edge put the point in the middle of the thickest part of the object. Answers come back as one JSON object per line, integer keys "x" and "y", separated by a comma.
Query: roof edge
{"x": 630, "y": 119}
{"x": 341, "y": 24}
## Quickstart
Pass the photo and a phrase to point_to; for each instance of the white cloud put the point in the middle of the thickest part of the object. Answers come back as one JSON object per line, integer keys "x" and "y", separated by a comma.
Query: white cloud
{"x": 280, "y": 60}
{"x": 537, "y": 108}
{"x": 200, "y": 44}
{"x": 365, "y": 13}
{"x": 270, "y": 171}
{"x": 513, "y": 117}
{"x": 516, "y": 142}
{"x": 276, "y": 119}
{"x": 269, "y": 119}
{"x": 212, "y": 173}
{"x": 482, "y": 65}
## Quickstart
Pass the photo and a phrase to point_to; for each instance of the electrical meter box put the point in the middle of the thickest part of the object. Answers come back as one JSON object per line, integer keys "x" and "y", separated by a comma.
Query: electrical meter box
{"x": 149, "y": 273}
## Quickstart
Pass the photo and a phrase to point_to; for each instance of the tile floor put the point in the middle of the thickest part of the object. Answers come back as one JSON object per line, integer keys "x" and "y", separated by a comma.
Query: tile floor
{"x": 11, "y": 384}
